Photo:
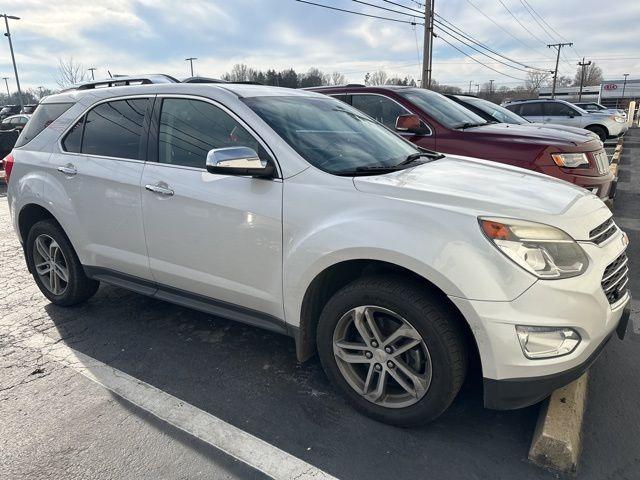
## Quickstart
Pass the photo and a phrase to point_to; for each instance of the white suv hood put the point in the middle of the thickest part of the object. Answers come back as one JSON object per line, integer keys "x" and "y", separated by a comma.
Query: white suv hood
{"x": 480, "y": 187}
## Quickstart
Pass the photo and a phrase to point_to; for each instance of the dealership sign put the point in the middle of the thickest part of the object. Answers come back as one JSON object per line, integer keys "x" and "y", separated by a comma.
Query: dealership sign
{"x": 610, "y": 86}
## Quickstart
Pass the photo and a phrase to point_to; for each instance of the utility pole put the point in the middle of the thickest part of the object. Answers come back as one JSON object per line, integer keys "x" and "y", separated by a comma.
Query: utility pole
{"x": 7, "y": 84}
{"x": 582, "y": 64}
{"x": 427, "y": 47}
{"x": 92, "y": 69}
{"x": 13, "y": 58}
{"x": 558, "y": 46}
{"x": 477, "y": 89}
{"x": 624, "y": 85}
{"x": 190, "y": 60}
{"x": 470, "y": 82}
{"x": 491, "y": 87}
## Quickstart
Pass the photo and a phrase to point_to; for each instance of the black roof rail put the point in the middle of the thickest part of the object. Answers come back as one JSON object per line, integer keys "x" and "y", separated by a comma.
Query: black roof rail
{"x": 125, "y": 80}
{"x": 197, "y": 79}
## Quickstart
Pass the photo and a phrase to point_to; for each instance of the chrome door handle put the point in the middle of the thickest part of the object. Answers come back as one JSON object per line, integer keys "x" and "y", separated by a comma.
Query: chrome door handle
{"x": 68, "y": 169}
{"x": 159, "y": 189}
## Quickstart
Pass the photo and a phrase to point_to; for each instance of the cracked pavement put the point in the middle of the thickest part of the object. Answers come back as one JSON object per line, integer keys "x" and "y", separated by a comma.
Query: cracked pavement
{"x": 57, "y": 424}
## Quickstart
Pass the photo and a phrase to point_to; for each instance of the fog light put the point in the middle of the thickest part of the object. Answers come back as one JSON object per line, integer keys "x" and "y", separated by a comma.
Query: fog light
{"x": 547, "y": 342}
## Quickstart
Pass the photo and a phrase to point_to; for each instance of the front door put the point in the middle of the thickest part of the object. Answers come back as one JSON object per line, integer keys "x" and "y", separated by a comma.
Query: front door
{"x": 215, "y": 237}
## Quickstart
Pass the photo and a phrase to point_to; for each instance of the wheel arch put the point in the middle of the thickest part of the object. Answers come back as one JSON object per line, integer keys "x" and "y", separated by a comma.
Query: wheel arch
{"x": 598, "y": 125}
{"x": 338, "y": 275}
{"x": 28, "y": 216}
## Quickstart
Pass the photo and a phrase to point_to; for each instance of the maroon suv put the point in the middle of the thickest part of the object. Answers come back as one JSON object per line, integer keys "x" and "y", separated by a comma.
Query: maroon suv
{"x": 432, "y": 121}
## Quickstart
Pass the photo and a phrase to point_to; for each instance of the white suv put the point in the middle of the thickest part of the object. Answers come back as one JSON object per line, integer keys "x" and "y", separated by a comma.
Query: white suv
{"x": 295, "y": 212}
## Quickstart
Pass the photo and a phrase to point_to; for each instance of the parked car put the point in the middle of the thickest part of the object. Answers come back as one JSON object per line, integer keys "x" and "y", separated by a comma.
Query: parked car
{"x": 432, "y": 121}
{"x": 594, "y": 107}
{"x": 16, "y": 122}
{"x": 9, "y": 110}
{"x": 561, "y": 112}
{"x": 29, "y": 109}
{"x": 295, "y": 212}
{"x": 496, "y": 113}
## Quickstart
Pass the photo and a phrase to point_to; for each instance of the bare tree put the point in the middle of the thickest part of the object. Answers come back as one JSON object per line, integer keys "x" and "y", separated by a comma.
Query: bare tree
{"x": 336, "y": 78}
{"x": 536, "y": 79}
{"x": 70, "y": 72}
{"x": 592, "y": 75}
{"x": 239, "y": 73}
{"x": 376, "y": 78}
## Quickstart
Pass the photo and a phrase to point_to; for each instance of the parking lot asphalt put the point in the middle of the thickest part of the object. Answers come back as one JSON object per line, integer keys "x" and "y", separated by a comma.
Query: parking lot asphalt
{"x": 58, "y": 424}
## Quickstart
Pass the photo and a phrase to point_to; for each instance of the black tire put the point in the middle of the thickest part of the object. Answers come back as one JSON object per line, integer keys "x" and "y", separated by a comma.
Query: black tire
{"x": 598, "y": 130}
{"x": 79, "y": 287}
{"x": 433, "y": 319}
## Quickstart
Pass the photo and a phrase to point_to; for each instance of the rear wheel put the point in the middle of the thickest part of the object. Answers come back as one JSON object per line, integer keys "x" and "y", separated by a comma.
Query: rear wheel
{"x": 598, "y": 130}
{"x": 56, "y": 267}
{"x": 393, "y": 349}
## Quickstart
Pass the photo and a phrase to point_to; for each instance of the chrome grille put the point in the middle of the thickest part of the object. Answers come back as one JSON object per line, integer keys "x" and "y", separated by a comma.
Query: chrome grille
{"x": 602, "y": 232}
{"x": 615, "y": 279}
{"x": 602, "y": 161}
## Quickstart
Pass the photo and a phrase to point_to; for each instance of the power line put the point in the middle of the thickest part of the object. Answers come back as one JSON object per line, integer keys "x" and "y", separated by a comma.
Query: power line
{"x": 359, "y": 13}
{"x": 498, "y": 25}
{"x": 520, "y": 23}
{"x": 421, "y": 13}
{"x": 478, "y": 61}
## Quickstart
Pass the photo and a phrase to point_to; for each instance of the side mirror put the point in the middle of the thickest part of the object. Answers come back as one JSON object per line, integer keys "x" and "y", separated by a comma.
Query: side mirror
{"x": 410, "y": 123}
{"x": 243, "y": 161}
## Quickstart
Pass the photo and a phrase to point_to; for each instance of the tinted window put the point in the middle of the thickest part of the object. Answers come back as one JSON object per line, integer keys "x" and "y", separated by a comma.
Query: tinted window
{"x": 190, "y": 128}
{"x": 498, "y": 113}
{"x": 330, "y": 134}
{"x": 43, "y": 116}
{"x": 343, "y": 98}
{"x": 554, "y": 109}
{"x": 531, "y": 109}
{"x": 442, "y": 109}
{"x": 114, "y": 129}
{"x": 72, "y": 142}
{"x": 383, "y": 109}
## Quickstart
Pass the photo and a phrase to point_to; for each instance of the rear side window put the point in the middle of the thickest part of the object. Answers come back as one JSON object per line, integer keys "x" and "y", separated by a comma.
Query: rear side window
{"x": 73, "y": 140}
{"x": 44, "y": 115}
{"x": 558, "y": 110}
{"x": 531, "y": 109}
{"x": 112, "y": 129}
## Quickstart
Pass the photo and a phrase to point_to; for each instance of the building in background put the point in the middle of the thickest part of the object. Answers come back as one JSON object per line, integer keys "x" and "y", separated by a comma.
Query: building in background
{"x": 614, "y": 93}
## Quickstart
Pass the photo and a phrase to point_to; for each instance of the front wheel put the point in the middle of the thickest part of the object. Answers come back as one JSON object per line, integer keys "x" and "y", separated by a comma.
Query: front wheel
{"x": 55, "y": 266}
{"x": 600, "y": 131}
{"x": 393, "y": 348}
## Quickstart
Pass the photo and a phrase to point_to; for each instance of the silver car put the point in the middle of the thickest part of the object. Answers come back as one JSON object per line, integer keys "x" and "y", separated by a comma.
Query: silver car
{"x": 564, "y": 113}
{"x": 594, "y": 107}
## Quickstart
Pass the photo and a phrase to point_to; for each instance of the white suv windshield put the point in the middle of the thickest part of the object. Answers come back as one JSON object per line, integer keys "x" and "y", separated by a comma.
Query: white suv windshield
{"x": 331, "y": 135}
{"x": 443, "y": 110}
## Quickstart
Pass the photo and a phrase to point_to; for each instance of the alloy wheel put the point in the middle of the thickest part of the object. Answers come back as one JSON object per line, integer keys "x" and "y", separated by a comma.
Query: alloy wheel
{"x": 382, "y": 356}
{"x": 50, "y": 264}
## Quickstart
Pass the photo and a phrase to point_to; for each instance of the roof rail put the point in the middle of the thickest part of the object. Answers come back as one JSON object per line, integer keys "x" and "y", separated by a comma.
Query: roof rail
{"x": 125, "y": 80}
{"x": 203, "y": 80}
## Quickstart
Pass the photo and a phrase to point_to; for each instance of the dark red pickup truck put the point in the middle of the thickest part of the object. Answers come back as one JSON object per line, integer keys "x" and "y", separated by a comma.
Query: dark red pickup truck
{"x": 432, "y": 121}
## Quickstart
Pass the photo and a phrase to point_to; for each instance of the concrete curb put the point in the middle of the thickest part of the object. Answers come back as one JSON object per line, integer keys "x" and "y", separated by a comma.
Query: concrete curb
{"x": 557, "y": 439}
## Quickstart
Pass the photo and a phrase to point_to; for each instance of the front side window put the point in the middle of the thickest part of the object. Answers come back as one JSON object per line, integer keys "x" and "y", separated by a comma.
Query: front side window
{"x": 331, "y": 135}
{"x": 190, "y": 128}
{"x": 556, "y": 109}
{"x": 383, "y": 109}
{"x": 444, "y": 110}
{"x": 533, "y": 109}
{"x": 115, "y": 129}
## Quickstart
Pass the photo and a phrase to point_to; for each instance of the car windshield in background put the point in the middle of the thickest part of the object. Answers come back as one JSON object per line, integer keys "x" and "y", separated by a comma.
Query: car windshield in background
{"x": 500, "y": 114}
{"x": 446, "y": 111}
{"x": 331, "y": 135}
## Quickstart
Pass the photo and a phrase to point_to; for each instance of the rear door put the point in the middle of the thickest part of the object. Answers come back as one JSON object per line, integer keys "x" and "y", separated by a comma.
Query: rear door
{"x": 532, "y": 111}
{"x": 98, "y": 171}
{"x": 216, "y": 239}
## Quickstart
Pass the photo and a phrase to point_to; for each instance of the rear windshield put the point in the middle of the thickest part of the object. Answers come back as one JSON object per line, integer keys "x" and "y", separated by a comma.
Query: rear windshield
{"x": 44, "y": 115}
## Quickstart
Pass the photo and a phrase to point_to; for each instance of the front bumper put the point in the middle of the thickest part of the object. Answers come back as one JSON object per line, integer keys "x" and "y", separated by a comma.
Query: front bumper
{"x": 512, "y": 393}
{"x": 514, "y": 381}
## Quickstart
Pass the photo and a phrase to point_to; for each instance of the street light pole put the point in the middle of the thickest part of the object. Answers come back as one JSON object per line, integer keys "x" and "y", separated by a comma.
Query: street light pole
{"x": 478, "y": 89}
{"x": 7, "y": 84}
{"x": 13, "y": 58}
{"x": 92, "y": 69}
{"x": 190, "y": 60}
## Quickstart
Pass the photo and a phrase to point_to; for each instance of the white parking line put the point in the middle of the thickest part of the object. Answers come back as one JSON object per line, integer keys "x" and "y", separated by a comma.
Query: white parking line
{"x": 237, "y": 443}
{"x": 635, "y": 316}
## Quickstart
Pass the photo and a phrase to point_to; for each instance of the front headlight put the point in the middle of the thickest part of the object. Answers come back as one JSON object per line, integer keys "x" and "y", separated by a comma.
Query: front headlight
{"x": 546, "y": 252}
{"x": 570, "y": 160}
{"x": 618, "y": 119}
{"x": 547, "y": 342}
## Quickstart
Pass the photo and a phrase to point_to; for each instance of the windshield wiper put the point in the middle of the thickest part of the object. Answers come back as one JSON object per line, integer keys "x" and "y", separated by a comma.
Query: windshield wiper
{"x": 415, "y": 156}
{"x": 368, "y": 170}
{"x": 464, "y": 125}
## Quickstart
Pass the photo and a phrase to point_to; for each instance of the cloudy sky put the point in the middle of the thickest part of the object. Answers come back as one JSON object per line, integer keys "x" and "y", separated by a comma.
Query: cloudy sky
{"x": 133, "y": 36}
